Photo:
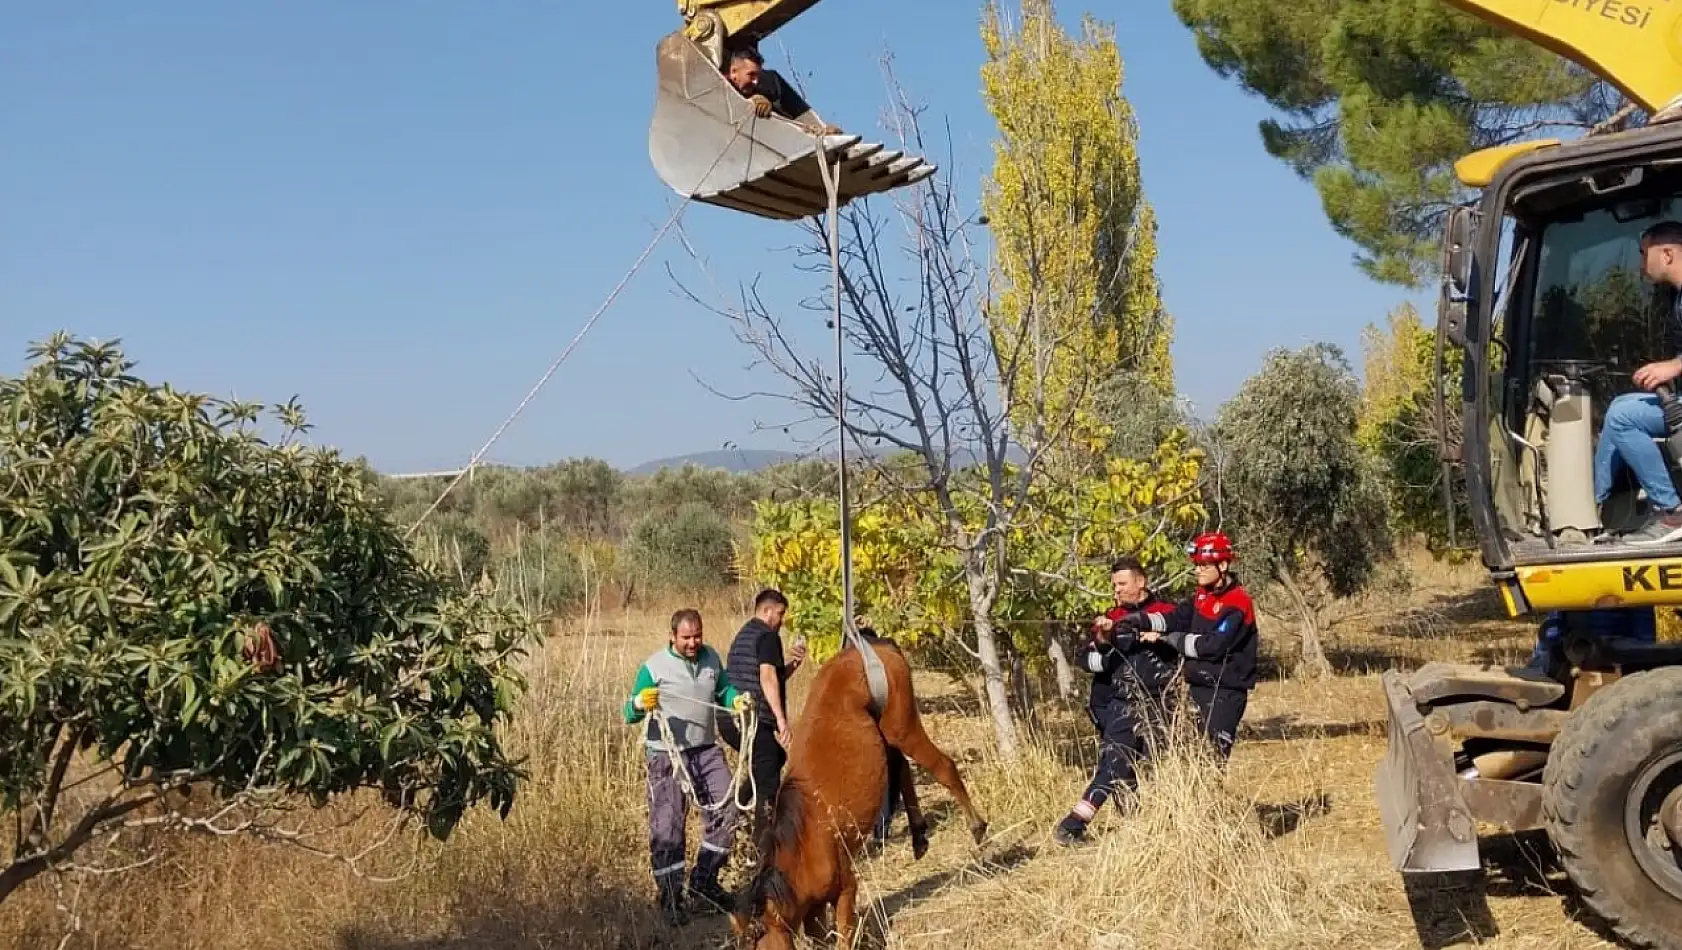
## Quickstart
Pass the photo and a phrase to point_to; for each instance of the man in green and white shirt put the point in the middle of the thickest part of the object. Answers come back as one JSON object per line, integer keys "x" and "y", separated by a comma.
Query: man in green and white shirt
{"x": 685, "y": 681}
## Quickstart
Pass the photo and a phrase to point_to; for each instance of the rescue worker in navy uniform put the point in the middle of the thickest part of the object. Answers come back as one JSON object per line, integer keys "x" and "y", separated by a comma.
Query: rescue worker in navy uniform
{"x": 1128, "y": 700}
{"x": 1215, "y": 632}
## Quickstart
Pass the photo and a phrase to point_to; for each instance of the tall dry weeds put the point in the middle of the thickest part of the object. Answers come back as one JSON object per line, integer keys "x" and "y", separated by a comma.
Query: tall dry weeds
{"x": 1194, "y": 861}
{"x": 1208, "y": 858}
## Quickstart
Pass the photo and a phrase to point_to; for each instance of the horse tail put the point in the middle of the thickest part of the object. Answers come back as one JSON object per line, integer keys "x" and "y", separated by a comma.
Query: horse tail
{"x": 770, "y": 884}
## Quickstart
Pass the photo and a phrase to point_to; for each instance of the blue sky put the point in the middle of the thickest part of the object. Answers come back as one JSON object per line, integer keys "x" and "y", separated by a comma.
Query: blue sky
{"x": 401, "y": 212}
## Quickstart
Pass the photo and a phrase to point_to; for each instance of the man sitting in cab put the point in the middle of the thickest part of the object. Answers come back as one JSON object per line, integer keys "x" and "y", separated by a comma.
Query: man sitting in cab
{"x": 1635, "y": 419}
{"x": 769, "y": 93}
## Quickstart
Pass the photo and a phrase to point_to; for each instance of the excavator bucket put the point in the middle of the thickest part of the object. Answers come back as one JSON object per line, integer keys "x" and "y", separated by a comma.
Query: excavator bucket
{"x": 706, "y": 143}
{"x": 1427, "y": 823}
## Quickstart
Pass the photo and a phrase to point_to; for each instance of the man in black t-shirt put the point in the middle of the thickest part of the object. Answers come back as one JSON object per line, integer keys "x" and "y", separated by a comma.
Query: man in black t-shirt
{"x": 755, "y": 665}
{"x": 769, "y": 92}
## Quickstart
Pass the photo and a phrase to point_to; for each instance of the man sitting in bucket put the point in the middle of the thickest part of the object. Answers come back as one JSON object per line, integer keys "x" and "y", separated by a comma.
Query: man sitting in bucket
{"x": 769, "y": 93}
{"x": 685, "y": 681}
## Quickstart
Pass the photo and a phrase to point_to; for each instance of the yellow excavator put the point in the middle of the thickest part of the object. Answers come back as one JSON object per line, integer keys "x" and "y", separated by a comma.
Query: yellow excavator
{"x": 708, "y": 144}
{"x": 1544, "y": 306}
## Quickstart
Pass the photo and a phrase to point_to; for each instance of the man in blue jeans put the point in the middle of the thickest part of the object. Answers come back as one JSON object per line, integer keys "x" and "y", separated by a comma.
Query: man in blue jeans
{"x": 1634, "y": 420}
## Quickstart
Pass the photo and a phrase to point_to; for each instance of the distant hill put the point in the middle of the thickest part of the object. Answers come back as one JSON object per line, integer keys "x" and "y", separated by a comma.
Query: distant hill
{"x": 732, "y": 460}
{"x": 753, "y": 460}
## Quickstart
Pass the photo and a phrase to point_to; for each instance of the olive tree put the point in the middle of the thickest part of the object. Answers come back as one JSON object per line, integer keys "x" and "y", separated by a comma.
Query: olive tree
{"x": 1294, "y": 486}
{"x": 202, "y": 630}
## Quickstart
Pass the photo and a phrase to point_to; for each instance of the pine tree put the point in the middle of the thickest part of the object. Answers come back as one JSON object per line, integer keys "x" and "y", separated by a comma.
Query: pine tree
{"x": 1380, "y": 97}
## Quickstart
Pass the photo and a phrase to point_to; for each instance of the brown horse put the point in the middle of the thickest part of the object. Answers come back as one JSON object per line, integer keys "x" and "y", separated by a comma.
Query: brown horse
{"x": 838, "y": 765}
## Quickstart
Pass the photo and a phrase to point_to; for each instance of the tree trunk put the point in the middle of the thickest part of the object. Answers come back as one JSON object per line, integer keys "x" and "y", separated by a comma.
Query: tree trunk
{"x": 1060, "y": 665}
{"x": 981, "y": 595}
{"x": 1021, "y": 688}
{"x": 998, "y": 698}
{"x": 1312, "y": 662}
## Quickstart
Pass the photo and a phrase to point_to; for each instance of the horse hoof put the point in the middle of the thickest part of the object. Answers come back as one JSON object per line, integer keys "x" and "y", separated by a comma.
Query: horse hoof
{"x": 919, "y": 846}
{"x": 979, "y": 830}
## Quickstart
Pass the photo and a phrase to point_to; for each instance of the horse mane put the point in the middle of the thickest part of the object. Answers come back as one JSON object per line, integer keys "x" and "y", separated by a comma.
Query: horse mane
{"x": 782, "y": 831}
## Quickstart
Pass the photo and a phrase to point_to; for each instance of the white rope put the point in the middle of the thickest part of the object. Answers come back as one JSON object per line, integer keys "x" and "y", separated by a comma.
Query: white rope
{"x": 659, "y": 235}
{"x": 748, "y": 723}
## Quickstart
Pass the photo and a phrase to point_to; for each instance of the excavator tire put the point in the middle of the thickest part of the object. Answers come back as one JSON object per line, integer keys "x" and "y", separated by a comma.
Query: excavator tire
{"x": 1615, "y": 760}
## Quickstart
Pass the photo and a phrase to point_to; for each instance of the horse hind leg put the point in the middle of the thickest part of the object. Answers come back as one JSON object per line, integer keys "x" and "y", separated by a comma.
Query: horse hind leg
{"x": 900, "y": 767}
{"x": 903, "y": 730}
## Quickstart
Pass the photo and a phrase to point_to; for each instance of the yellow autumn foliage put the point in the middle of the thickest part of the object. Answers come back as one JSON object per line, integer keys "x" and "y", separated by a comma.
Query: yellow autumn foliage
{"x": 1075, "y": 236}
{"x": 908, "y": 577}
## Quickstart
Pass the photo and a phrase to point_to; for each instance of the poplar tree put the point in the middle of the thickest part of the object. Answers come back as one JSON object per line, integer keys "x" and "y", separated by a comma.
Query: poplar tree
{"x": 1075, "y": 236}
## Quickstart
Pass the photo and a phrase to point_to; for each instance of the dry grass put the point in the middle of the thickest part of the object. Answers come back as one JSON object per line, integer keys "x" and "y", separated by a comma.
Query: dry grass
{"x": 1283, "y": 850}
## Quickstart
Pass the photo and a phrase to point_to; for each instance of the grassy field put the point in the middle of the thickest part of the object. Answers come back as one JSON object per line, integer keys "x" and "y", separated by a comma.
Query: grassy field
{"x": 1284, "y": 850}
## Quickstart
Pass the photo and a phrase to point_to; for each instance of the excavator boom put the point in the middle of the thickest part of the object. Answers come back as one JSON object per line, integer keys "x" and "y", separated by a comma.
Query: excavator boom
{"x": 1633, "y": 44}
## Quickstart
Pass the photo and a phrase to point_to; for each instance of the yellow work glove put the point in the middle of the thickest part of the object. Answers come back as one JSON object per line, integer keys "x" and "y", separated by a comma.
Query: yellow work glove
{"x": 742, "y": 703}
{"x": 648, "y": 699}
{"x": 761, "y": 106}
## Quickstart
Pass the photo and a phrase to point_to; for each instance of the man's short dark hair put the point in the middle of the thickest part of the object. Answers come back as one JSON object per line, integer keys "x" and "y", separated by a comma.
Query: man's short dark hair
{"x": 1127, "y": 564}
{"x": 1665, "y": 232}
{"x": 770, "y": 595}
{"x": 686, "y": 615}
{"x": 748, "y": 53}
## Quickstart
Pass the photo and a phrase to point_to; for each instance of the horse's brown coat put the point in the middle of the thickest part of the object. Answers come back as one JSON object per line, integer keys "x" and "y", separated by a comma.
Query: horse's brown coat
{"x": 831, "y": 795}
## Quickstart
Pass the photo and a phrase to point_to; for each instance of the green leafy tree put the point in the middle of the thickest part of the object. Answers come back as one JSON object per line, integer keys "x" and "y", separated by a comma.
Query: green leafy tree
{"x": 1399, "y": 427}
{"x": 690, "y": 548}
{"x": 188, "y": 609}
{"x": 1056, "y": 562}
{"x": 1296, "y": 490}
{"x": 1377, "y": 99}
{"x": 669, "y": 489}
{"x": 541, "y": 570}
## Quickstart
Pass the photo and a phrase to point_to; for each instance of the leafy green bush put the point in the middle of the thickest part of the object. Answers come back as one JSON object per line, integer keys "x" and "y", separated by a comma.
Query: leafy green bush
{"x": 193, "y": 608}
{"x": 540, "y": 570}
{"x": 692, "y": 548}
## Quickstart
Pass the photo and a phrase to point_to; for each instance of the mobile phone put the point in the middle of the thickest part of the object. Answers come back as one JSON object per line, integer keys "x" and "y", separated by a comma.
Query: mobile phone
{"x": 800, "y": 642}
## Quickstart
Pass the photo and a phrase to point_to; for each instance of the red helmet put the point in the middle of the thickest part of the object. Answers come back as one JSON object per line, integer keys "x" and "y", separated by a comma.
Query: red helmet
{"x": 1211, "y": 547}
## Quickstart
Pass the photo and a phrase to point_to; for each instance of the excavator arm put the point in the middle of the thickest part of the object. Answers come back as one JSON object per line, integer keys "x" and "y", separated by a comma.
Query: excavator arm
{"x": 1636, "y": 45}
{"x": 718, "y": 24}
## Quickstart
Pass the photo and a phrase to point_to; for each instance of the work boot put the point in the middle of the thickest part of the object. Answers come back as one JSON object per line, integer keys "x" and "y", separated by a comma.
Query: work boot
{"x": 671, "y": 900}
{"x": 1070, "y": 832}
{"x": 709, "y": 896}
{"x": 704, "y": 888}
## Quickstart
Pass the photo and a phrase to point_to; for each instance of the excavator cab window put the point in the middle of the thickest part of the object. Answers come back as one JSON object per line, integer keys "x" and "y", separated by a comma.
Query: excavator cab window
{"x": 1571, "y": 320}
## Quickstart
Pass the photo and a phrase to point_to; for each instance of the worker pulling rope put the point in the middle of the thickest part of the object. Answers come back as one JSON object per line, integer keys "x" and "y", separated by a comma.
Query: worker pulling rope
{"x": 748, "y": 724}
{"x": 636, "y": 267}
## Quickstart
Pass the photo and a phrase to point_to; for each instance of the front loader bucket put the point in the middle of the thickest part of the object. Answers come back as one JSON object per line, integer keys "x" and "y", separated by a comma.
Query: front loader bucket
{"x": 1427, "y": 824}
{"x": 706, "y": 143}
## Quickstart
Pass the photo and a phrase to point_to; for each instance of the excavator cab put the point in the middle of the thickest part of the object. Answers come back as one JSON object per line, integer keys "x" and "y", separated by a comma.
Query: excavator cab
{"x": 707, "y": 143}
{"x": 1545, "y": 308}
{"x": 1544, "y": 314}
